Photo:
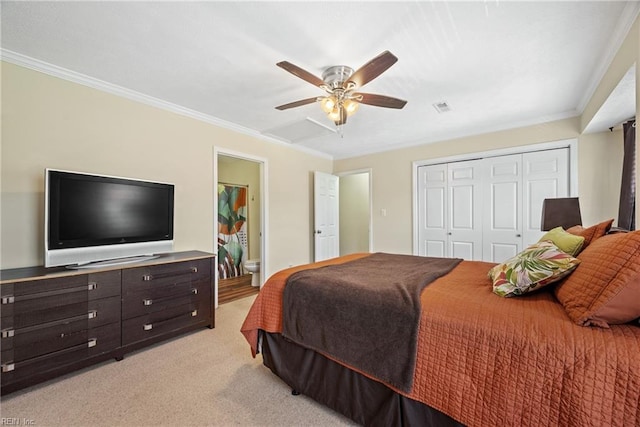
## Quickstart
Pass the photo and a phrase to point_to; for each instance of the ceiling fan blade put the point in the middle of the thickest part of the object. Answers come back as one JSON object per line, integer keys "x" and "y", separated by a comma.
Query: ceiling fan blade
{"x": 373, "y": 68}
{"x": 297, "y": 103}
{"x": 380, "y": 100}
{"x": 299, "y": 72}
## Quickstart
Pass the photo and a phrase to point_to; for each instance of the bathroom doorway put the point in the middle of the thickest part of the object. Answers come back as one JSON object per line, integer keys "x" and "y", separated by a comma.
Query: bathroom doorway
{"x": 239, "y": 224}
{"x": 355, "y": 211}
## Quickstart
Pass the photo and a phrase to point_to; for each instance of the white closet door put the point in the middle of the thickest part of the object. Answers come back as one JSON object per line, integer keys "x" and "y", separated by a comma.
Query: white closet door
{"x": 465, "y": 210}
{"x": 488, "y": 209}
{"x": 432, "y": 210}
{"x": 546, "y": 176}
{"x": 502, "y": 237}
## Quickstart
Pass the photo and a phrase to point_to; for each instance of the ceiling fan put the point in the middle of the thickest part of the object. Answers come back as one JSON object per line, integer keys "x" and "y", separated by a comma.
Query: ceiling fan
{"x": 341, "y": 84}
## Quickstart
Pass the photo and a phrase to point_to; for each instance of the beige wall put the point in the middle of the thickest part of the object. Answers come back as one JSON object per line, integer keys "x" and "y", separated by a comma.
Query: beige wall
{"x": 50, "y": 122}
{"x": 392, "y": 175}
{"x": 354, "y": 213}
{"x": 600, "y": 167}
{"x": 599, "y": 171}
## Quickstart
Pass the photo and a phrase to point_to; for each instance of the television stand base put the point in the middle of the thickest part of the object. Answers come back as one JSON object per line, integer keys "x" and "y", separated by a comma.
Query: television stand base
{"x": 111, "y": 262}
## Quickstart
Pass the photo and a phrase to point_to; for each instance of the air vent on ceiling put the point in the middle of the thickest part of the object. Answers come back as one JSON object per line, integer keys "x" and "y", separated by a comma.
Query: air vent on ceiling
{"x": 442, "y": 107}
{"x": 300, "y": 130}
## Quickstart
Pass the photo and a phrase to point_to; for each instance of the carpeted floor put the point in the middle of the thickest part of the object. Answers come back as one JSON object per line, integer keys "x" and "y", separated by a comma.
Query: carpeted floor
{"x": 199, "y": 379}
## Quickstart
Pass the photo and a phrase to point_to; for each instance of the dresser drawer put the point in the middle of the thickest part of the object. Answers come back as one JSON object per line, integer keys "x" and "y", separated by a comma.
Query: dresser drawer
{"x": 92, "y": 342}
{"x": 32, "y": 340}
{"x": 145, "y": 278}
{"x": 48, "y": 294}
{"x": 162, "y": 322}
{"x": 101, "y": 311}
{"x": 162, "y": 297}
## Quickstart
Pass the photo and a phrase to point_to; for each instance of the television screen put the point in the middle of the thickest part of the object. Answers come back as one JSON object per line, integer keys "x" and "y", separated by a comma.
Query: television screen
{"x": 85, "y": 211}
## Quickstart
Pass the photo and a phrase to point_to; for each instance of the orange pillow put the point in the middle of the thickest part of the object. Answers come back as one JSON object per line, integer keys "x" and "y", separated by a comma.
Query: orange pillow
{"x": 592, "y": 233}
{"x": 605, "y": 289}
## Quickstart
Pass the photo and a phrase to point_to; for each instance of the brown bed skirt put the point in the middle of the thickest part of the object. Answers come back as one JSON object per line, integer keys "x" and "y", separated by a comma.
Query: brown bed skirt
{"x": 357, "y": 397}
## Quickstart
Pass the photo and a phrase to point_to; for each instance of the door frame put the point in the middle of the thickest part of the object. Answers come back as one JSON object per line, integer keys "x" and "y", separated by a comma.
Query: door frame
{"x": 571, "y": 144}
{"x": 264, "y": 207}
{"x": 368, "y": 171}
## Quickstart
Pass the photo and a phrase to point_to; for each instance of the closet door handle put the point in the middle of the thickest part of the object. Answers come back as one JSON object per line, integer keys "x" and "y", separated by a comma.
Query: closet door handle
{"x": 518, "y": 235}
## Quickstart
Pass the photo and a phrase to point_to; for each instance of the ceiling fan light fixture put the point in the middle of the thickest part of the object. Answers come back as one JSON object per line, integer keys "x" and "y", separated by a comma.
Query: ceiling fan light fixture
{"x": 351, "y": 106}
{"x": 334, "y": 115}
{"x": 340, "y": 84}
{"x": 327, "y": 104}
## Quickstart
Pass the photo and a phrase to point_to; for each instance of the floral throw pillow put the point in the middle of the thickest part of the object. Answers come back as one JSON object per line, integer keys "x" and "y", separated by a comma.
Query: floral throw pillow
{"x": 535, "y": 267}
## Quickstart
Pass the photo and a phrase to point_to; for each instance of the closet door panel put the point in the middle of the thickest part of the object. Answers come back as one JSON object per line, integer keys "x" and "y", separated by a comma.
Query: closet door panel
{"x": 432, "y": 210}
{"x": 546, "y": 176}
{"x": 465, "y": 210}
{"x": 502, "y": 237}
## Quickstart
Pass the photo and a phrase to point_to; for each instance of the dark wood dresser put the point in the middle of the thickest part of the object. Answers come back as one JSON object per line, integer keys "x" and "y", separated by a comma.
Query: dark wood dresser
{"x": 54, "y": 321}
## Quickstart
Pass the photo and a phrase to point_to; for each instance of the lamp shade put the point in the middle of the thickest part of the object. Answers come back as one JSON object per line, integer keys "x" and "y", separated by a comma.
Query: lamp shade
{"x": 562, "y": 212}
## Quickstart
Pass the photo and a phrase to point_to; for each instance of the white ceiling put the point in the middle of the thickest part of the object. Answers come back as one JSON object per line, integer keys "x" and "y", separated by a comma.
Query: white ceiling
{"x": 498, "y": 64}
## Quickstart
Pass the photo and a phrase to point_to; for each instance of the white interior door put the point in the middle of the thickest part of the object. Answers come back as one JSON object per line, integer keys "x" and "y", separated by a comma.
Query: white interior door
{"x": 326, "y": 204}
{"x": 432, "y": 210}
{"x": 465, "y": 210}
{"x": 502, "y": 237}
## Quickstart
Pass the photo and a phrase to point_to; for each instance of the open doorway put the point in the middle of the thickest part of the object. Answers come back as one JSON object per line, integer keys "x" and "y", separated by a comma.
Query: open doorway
{"x": 355, "y": 212}
{"x": 239, "y": 224}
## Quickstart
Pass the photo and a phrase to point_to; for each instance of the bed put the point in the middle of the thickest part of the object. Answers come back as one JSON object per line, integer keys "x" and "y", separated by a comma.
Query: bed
{"x": 478, "y": 359}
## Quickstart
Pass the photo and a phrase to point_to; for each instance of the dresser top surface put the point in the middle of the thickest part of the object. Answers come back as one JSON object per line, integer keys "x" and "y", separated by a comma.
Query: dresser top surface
{"x": 40, "y": 272}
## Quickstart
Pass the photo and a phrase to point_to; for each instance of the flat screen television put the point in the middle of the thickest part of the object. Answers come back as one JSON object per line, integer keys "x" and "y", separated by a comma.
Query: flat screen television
{"x": 97, "y": 220}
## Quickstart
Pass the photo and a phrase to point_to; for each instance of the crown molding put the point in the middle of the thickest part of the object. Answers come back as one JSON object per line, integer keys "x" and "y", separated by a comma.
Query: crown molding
{"x": 101, "y": 85}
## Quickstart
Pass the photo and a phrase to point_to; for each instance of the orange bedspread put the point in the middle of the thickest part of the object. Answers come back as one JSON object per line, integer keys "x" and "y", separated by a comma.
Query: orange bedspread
{"x": 491, "y": 361}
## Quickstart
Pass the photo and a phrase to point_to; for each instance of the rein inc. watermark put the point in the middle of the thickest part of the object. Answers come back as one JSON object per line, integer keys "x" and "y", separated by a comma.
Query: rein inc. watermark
{"x": 6, "y": 421}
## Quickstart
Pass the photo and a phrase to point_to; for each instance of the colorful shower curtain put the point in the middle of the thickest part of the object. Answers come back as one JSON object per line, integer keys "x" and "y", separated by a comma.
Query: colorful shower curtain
{"x": 232, "y": 229}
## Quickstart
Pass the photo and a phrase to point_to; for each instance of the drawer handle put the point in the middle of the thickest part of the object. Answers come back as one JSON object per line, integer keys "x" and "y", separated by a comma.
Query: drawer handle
{"x": 149, "y": 301}
{"x": 92, "y": 286}
{"x": 92, "y": 342}
{"x": 147, "y": 326}
{"x": 8, "y": 333}
{"x": 194, "y": 313}
{"x": 8, "y": 367}
{"x": 8, "y": 299}
{"x": 92, "y": 314}
{"x": 150, "y": 277}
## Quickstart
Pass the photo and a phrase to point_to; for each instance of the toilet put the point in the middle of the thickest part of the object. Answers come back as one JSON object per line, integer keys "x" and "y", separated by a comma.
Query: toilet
{"x": 253, "y": 266}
